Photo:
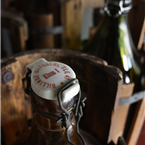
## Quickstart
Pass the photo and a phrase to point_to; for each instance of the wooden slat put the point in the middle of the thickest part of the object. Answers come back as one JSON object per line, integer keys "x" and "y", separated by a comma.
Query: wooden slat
{"x": 72, "y": 13}
{"x": 13, "y": 115}
{"x": 72, "y": 21}
{"x": 104, "y": 84}
{"x": 122, "y": 112}
{"x": 138, "y": 32}
{"x": 142, "y": 35}
{"x": 93, "y": 3}
{"x": 140, "y": 110}
{"x": 137, "y": 123}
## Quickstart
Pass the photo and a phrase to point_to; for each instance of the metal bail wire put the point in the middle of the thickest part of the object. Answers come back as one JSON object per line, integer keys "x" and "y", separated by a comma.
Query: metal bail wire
{"x": 66, "y": 114}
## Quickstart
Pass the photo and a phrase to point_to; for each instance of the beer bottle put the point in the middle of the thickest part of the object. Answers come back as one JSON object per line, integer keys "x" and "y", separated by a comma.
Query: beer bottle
{"x": 57, "y": 103}
{"x": 113, "y": 43}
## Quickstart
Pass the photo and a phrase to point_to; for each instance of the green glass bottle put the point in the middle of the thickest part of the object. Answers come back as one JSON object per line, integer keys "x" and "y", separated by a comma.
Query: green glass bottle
{"x": 113, "y": 43}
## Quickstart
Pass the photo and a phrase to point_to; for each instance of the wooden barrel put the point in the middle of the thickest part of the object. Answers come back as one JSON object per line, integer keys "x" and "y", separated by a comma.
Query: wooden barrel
{"x": 103, "y": 85}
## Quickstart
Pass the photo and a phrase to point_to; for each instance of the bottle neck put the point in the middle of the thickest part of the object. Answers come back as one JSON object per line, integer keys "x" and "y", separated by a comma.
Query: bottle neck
{"x": 49, "y": 121}
{"x": 114, "y": 23}
{"x": 50, "y": 124}
{"x": 116, "y": 8}
{"x": 47, "y": 112}
{"x": 114, "y": 14}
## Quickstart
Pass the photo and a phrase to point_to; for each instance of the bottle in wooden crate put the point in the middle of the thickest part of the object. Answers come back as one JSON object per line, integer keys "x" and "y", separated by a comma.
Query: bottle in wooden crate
{"x": 57, "y": 102}
{"x": 113, "y": 43}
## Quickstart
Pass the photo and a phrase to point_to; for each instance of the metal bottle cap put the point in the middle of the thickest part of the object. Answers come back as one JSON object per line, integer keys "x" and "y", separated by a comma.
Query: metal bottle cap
{"x": 123, "y": 5}
{"x": 47, "y": 78}
{"x": 116, "y": 2}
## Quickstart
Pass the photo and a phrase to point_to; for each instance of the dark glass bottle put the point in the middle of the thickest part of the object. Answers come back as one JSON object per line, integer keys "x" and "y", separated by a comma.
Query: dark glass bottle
{"x": 55, "y": 98}
{"x": 113, "y": 43}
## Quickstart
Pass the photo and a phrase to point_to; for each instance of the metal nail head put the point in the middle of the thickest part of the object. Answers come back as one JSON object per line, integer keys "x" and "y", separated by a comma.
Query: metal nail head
{"x": 7, "y": 76}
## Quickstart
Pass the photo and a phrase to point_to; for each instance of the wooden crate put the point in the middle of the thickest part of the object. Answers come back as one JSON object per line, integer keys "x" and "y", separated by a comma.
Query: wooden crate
{"x": 104, "y": 85}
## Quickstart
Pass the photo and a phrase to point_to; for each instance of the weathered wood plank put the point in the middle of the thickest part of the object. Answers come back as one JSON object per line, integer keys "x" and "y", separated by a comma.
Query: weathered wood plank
{"x": 122, "y": 112}
{"x": 137, "y": 123}
{"x": 104, "y": 84}
{"x": 93, "y": 3}
{"x": 72, "y": 21}
{"x": 13, "y": 115}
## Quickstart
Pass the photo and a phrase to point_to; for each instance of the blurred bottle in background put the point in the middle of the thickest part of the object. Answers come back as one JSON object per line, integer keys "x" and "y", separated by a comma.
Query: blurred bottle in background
{"x": 113, "y": 43}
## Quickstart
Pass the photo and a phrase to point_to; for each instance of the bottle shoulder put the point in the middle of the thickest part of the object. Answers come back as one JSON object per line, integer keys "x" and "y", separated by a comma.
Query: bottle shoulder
{"x": 53, "y": 138}
{"x": 41, "y": 134}
{"x": 113, "y": 43}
